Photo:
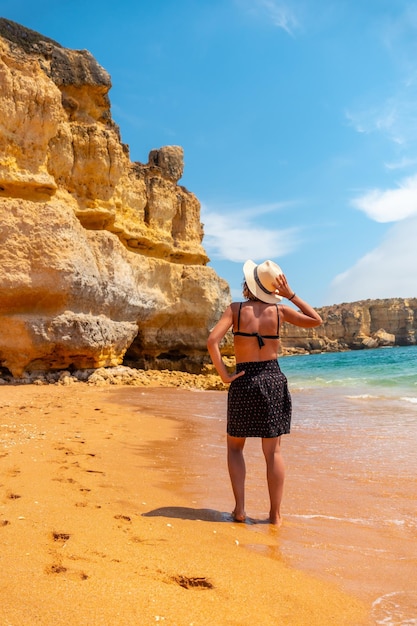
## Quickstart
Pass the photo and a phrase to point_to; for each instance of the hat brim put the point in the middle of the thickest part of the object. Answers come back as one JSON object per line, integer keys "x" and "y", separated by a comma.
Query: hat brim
{"x": 248, "y": 272}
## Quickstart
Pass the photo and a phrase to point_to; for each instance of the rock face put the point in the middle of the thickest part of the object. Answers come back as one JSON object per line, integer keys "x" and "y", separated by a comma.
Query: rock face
{"x": 98, "y": 255}
{"x": 357, "y": 325}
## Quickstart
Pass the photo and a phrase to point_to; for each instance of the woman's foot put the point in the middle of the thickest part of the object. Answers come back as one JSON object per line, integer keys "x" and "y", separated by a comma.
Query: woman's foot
{"x": 239, "y": 517}
{"x": 276, "y": 520}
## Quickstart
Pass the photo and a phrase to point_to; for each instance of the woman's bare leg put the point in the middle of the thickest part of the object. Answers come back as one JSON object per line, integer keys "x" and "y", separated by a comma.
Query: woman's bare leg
{"x": 275, "y": 474}
{"x": 237, "y": 473}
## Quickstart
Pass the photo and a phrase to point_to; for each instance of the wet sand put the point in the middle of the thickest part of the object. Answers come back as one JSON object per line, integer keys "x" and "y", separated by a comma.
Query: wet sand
{"x": 107, "y": 517}
{"x": 349, "y": 505}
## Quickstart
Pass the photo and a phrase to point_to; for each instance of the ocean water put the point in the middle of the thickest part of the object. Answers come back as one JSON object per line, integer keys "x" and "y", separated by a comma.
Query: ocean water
{"x": 350, "y": 501}
{"x": 384, "y": 372}
{"x": 356, "y": 413}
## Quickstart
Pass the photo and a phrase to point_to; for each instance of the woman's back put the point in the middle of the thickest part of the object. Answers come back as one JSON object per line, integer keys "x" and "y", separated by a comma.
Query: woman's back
{"x": 256, "y": 331}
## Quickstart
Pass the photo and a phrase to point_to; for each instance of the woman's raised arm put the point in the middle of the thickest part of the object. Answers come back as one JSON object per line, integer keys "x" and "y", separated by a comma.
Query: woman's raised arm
{"x": 306, "y": 317}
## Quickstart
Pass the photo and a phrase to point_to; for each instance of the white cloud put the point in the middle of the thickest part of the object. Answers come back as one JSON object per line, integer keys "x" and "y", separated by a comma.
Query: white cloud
{"x": 403, "y": 163}
{"x": 237, "y": 237}
{"x": 276, "y": 11}
{"x": 388, "y": 271}
{"x": 389, "y": 105}
{"x": 280, "y": 14}
{"x": 391, "y": 205}
{"x": 395, "y": 118}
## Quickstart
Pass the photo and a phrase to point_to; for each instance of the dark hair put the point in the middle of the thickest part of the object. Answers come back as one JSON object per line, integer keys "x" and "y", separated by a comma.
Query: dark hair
{"x": 247, "y": 292}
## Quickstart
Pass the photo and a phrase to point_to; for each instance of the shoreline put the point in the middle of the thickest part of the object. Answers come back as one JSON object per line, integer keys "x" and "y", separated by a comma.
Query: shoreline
{"x": 95, "y": 530}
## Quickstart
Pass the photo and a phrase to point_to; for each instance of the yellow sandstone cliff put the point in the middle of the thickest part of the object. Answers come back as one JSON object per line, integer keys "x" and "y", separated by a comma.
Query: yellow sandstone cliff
{"x": 97, "y": 254}
{"x": 357, "y": 325}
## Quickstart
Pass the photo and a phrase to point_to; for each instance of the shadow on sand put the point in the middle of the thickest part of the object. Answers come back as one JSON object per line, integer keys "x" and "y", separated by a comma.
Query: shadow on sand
{"x": 182, "y": 512}
{"x": 205, "y": 515}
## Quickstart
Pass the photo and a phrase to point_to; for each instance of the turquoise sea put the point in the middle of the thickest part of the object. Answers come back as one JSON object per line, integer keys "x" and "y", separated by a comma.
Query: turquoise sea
{"x": 384, "y": 372}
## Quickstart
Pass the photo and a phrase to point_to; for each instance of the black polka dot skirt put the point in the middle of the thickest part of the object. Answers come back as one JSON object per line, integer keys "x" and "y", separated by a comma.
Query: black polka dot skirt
{"x": 259, "y": 402}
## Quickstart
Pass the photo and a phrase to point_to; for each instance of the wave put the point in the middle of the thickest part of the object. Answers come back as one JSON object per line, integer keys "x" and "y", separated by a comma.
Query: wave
{"x": 398, "y": 607}
{"x": 354, "y": 520}
{"x": 370, "y": 396}
{"x": 363, "y": 396}
{"x": 409, "y": 399}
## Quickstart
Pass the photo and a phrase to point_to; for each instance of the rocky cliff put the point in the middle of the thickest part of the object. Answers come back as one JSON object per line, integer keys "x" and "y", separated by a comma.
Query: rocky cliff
{"x": 357, "y": 325}
{"x": 98, "y": 255}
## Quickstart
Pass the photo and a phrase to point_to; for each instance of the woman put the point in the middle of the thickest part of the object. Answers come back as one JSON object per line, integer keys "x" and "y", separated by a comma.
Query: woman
{"x": 259, "y": 403}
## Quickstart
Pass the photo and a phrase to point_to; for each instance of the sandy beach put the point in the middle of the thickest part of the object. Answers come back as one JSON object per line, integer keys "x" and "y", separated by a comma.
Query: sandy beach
{"x": 97, "y": 528}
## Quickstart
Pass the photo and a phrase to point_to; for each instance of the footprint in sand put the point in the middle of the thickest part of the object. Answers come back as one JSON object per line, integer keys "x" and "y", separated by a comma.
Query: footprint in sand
{"x": 193, "y": 582}
{"x": 13, "y": 496}
{"x": 125, "y": 519}
{"x": 57, "y": 567}
{"x": 65, "y": 480}
{"x": 12, "y": 472}
{"x": 60, "y": 537}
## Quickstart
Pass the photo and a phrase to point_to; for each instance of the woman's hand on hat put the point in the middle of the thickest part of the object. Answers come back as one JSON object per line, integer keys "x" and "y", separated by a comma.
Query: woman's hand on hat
{"x": 282, "y": 286}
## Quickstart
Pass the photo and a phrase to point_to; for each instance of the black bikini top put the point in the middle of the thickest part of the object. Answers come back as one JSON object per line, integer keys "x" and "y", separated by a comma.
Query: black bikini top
{"x": 259, "y": 337}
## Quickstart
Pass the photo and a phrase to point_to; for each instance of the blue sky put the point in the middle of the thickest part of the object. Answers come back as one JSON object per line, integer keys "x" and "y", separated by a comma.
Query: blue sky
{"x": 298, "y": 121}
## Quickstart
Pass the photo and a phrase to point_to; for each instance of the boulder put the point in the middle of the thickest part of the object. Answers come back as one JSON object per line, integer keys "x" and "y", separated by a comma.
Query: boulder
{"x": 383, "y": 338}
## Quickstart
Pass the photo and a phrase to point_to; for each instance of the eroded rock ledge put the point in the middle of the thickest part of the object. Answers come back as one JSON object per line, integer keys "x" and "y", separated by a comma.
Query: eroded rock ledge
{"x": 357, "y": 325}
{"x": 98, "y": 255}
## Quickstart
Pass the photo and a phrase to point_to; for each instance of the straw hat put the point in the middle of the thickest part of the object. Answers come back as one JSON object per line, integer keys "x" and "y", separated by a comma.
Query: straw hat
{"x": 259, "y": 279}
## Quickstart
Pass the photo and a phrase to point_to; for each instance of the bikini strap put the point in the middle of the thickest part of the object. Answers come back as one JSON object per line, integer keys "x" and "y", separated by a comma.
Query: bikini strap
{"x": 278, "y": 320}
{"x": 238, "y": 315}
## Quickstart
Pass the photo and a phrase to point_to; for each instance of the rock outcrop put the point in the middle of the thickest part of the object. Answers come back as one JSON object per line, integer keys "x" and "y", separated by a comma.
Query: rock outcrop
{"x": 357, "y": 325}
{"x": 98, "y": 255}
